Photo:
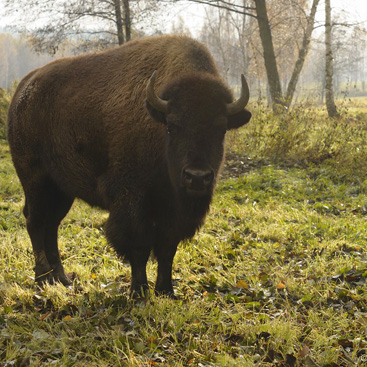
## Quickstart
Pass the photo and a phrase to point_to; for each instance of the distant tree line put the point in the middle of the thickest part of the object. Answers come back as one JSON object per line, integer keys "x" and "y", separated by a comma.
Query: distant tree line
{"x": 17, "y": 59}
{"x": 91, "y": 24}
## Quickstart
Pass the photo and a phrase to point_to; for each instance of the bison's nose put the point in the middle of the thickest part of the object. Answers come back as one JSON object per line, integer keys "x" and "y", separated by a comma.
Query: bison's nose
{"x": 197, "y": 180}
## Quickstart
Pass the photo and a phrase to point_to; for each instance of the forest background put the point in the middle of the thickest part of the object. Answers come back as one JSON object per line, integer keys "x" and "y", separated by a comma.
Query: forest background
{"x": 33, "y": 33}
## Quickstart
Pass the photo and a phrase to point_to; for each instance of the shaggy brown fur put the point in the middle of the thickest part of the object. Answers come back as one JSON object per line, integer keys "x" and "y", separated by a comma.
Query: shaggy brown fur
{"x": 80, "y": 127}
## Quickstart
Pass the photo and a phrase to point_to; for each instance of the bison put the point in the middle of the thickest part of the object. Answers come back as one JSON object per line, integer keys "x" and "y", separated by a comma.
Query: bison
{"x": 137, "y": 130}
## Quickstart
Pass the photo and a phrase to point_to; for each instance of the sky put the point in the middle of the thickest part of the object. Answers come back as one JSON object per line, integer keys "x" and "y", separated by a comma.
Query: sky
{"x": 353, "y": 10}
{"x": 357, "y": 8}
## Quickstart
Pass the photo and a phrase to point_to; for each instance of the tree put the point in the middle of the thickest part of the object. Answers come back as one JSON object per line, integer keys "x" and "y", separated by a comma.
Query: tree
{"x": 90, "y": 24}
{"x": 266, "y": 28}
{"x": 180, "y": 27}
{"x": 302, "y": 54}
{"x": 126, "y": 6}
{"x": 218, "y": 33}
{"x": 269, "y": 54}
{"x": 279, "y": 100}
{"x": 349, "y": 46}
{"x": 227, "y": 35}
{"x": 329, "y": 88}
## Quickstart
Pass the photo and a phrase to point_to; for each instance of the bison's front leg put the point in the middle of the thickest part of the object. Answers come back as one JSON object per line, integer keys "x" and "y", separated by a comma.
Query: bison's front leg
{"x": 139, "y": 282}
{"x": 132, "y": 241}
{"x": 165, "y": 254}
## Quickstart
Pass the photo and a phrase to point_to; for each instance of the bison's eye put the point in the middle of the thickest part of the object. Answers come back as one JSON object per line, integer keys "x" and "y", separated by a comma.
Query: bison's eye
{"x": 173, "y": 129}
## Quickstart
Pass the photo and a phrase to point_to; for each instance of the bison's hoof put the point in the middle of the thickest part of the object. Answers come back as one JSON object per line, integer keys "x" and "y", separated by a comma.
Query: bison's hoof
{"x": 165, "y": 293}
{"x": 55, "y": 277}
{"x": 140, "y": 293}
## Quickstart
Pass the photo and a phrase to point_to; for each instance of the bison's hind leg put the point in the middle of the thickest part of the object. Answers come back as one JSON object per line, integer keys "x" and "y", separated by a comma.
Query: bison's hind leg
{"x": 46, "y": 205}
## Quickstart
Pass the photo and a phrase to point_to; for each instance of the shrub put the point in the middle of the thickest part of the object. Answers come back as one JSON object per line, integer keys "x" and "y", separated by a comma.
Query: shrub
{"x": 5, "y": 98}
{"x": 305, "y": 136}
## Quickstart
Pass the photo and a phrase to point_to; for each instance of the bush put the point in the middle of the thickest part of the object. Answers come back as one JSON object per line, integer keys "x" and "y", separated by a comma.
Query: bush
{"x": 5, "y": 98}
{"x": 305, "y": 136}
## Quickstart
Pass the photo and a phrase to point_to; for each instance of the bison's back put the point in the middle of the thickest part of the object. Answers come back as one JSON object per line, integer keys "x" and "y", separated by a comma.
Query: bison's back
{"x": 103, "y": 88}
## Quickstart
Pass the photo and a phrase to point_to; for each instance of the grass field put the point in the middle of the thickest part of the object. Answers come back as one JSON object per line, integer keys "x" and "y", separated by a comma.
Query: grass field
{"x": 276, "y": 277}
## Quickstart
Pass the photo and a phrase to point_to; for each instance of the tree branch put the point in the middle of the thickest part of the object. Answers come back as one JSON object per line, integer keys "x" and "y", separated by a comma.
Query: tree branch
{"x": 226, "y": 5}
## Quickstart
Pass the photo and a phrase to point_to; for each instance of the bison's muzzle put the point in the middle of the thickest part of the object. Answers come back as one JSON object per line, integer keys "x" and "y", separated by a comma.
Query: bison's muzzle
{"x": 198, "y": 182}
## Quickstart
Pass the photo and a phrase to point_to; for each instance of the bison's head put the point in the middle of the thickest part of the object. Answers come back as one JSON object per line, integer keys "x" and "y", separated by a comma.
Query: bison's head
{"x": 197, "y": 110}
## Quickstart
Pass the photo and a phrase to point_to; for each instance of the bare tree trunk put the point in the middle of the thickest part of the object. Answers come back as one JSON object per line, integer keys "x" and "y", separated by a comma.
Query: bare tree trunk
{"x": 322, "y": 92}
{"x": 119, "y": 23}
{"x": 302, "y": 54}
{"x": 127, "y": 17}
{"x": 329, "y": 89}
{"x": 269, "y": 56}
{"x": 244, "y": 44}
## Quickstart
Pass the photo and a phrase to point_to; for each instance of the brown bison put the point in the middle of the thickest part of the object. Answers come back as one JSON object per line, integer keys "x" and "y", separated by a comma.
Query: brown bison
{"x": 146, "y": 146}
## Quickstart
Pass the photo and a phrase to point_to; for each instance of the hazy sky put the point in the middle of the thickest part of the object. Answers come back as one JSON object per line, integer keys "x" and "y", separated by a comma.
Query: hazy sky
{"x": 355, "y": 10}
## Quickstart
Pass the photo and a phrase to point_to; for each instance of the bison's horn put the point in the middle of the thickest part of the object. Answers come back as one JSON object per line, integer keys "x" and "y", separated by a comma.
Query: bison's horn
{"x": 240, "y": 103}
{"x": 156, "y": 102}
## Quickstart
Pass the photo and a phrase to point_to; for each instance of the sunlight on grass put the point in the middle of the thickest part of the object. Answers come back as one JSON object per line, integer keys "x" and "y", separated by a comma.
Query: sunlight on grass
{"x": 276, "y": 276}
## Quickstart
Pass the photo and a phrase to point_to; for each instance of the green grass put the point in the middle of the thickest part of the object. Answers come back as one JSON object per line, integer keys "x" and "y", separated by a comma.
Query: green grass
{"x": 276, "y": 277}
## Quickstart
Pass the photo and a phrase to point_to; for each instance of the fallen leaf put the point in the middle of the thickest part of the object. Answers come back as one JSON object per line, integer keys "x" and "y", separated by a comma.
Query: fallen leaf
{"x": 242, "y": 284}
{"x": 345, "y": 343}
{"x": 151, "y": 340}
{"x": 45, "y": 316}
{"x": 303, "y": 352}
{"x": 67, "y": 318}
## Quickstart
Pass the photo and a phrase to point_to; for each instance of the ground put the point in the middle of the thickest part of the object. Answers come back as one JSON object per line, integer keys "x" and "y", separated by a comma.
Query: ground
{"x": 276, "y": 277}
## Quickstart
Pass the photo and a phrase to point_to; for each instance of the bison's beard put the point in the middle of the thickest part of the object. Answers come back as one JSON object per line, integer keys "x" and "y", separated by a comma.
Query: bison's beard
{"x": 195, "y": 204}
{"x": 192, "y": 205}
{"x": 193, "y": 210}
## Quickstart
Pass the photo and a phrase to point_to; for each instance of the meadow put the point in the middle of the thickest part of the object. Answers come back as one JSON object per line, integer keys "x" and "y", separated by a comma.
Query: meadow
{"x": 276, "y": 277}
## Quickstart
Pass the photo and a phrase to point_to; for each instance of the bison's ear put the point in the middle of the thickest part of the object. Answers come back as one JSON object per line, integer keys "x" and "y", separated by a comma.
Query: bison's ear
{"x": 157, "y": 115}
{"x": 238, "y": 119}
